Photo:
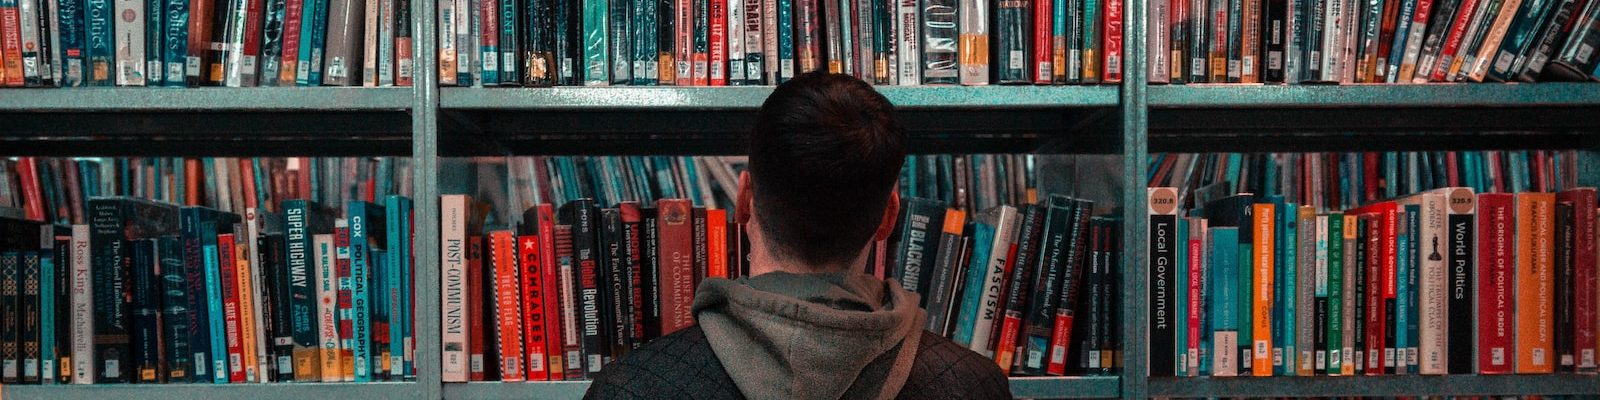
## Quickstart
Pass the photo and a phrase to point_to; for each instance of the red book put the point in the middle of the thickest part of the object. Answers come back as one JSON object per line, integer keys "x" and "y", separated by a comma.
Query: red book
{"x": 1496, "y": 271}
{"x": 1112, "y": 56}
{"x": 508, "y": 304}
{"x": 1450, "y": 167}
{"x": 717, "y": 243}
{"x": 1452, "y": 42}
{"x": 677, "y": 275}
{"x": 32, "y": 198}
{"x": 247, "y": 182}
{"x": 551, "y": 277}
{"x": 719, "y": 43}
{"x": 571, "y": 339}
{"x": 230, "y": 305}
{"x": 11, "y": 45}
{"x": 1370, "y": 166}
{"x": 1584, "y": 253}
{"x": 475, "y": 308}
{"x": 292, "y": 10}
{"x": 533, "y": 305}
{"x": 345, "y": 309}
{"x": 632, "y": 223}
{"x": 252, "y": 41}
{"x": 1043, "y": 56}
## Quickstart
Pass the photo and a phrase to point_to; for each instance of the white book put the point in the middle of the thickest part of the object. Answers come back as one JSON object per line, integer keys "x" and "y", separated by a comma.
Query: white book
{"x": 1293, "y": 28}
{"x": 1433, "y": 292}
{"x": 130, "y": 42}
{"x": 369, "y": 41}
{"x": 254, "y": 226}
{"x": 735, "y": 36}
{"x": 453, "y": 288}
{"x": 233, "y": 44}
{"x": 28, "y": 14}
{"x": 447, "y": 42}
{"x": 83, "y": 309}
{"x": 1158, "y": 41}
{"x": 465, "y": 46}
{"x": 326, "y": 286}
{"x": 1004, "y": 219}
{"x": 908, "y": 43}
{"x": 974, "y": 30}
{"x": 55, "y": 43}
{"x": 385, "y": 38}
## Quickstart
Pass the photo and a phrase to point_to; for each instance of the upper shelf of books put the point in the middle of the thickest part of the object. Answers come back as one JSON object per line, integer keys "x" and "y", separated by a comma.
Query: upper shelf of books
{"x": 206, "y": 121}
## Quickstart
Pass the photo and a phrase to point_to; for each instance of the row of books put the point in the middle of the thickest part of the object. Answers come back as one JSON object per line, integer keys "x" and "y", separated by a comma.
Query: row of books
{"x": 57, "y": 189}
{"x": 752, "y": 42}
{"x": 1446, "y": 281}
{"x": 569, "y": 289}
{"x": 189, "y": 43}
{"x": 1338, "y": 181}
{"x": 966, "y": 181}
{"x": 152, "y": 292}
{"x": 1380, "y": 41}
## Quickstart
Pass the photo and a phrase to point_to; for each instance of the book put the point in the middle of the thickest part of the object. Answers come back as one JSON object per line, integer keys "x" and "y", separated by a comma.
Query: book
{"x": 1162, "y": 241}
{"x": 1535, "y": 280}
{"x": 1496, "y": 268}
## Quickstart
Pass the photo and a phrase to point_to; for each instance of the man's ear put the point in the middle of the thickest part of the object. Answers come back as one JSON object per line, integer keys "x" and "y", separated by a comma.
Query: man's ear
{"x": 890, "y": 213}
{"x": 742, "y": 208}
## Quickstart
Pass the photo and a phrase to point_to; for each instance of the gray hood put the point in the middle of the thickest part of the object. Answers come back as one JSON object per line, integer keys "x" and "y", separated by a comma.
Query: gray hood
{"x": 811, "y": 336}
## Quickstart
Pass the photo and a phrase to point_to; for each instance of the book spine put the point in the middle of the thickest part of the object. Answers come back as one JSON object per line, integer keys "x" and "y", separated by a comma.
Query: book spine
{"x": 1024, "y": 263}
{"x": 215, "y": 295}
{"x": 11, "y": 320}
{"x": 404, "y": 48}
{"x": 508, "y": 305}
{"x": 736, "y": 43}
{"x": 1535, "y": 230}
{"x": 1197, "y": 26}
{"x": 754, "y": 26}
{"x": 34, "y": 69}
{"x": 1089, "y": 28}
{"x": 83, "y": 306}
{"x": 1043, "y": 68}
{"x": 1053, "y": 257}
{"x": 343, "y": 61}
{"x": 1482, "y": 19}
{"x": 1163, "y": 217}
{"x": 596, "y": 67}
{"x": 550, "y": 290}
{"x": 644, "y": 65}
{"x": 361, "y": 266}
{"x": 1585, "y": 31}
{"x": 615, "y": 292}
{"x": 272, "y": 28}
{"x": 941, "y": 44}
{"x": 1490, "y": 44}
{"x": 1432, "y": 342}
{"x": 585, "y": 249}
{"x": 371, "y": 15}
{"x": 475, "y": 307}
{"x": 1522, "y": 34}
{"x": 293, "y": 28}
{"x": 1276, "y": 40}
{"x": 342, "y": 302}
{"x": 69, "y": 33}
{"x": 945, "y": 271}
{"x": 1541, "y": 49}
{"x": 1263, "y": 276}
{"x": 1566, "y": 358}
{"x": 717, "y": 48}
{"x": 229, "y": 282}
{"x": 1461, "y": 267}
{"x": 1405, "y": 15}
{"x": 130, "y": 60}
{"x": 1158, "y": 43}
{"x": 446, "y": 36}
{"x": 100, "y": 36}
{"x": 571, "y": 339}
{"x": 454, "y": 329}
{"x": 1583, "y": 259}
{"x": 1011, "y": 43}
{"x": 488, "y": 43}
{"x": 1497, "y": 249}
{"x": 302, "y": 302}
{"x": 49, "y": 289}
{"x": 387, "y": 39}
{"x": 1330, "y": 257}
{"x": 1221, "y": 43}
{"x": 700, "y": 39}
{"x": 532, "y": 297}
{"x": 232, "y": 43}
{"x": 1433, "y": 43}
{"x": 1222, "y": 243}
{"x": 1309, "y": 294}
{"x": 1450, "y": 52}
{"x": 28, "y": 326}
{"x": 110, "y": 326}
{"x": 328, "y": 338}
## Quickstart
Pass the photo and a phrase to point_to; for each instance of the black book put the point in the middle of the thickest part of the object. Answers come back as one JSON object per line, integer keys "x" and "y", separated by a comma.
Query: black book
{"x": 1054, "y": 252}
{"x": 509, "y": 31}
{"x": 914, "y": 243}
{"x": 666, "y": 41}
{"x": 582, "y": 216}
{"x": 30, "y": 341}
{"x": 1463, "y": 269}
{"x": 538, "y": 44}
{"x": 1565, "y": 335}
{"x": 63, "y": 300}
{"x": 174, "y": 310}
{"x": 304, "y": 219}
{"x": 619, "y": 31}
{"x": 1113, "y": 302}
{"x": 10, "y": 315}
{"x": 1012, "y": 30}
{"x": 943, "y": 276}
{"x": 649, "y": 279}
{"x": 1551, "y": 37}
{"x": 1163, "y": 234}
{"x": 143, "y": 271}
{"x": 568, "y": 44}
{"x": 197, "y": 319}
{"x": 275, "y": 302}
{"x": 614, "y": 276}
{"x": 1575, "y": 61}
{"x": 114, "y": 223}
{"x": 958, "y": 285}
{"x": 1275, "y": 37}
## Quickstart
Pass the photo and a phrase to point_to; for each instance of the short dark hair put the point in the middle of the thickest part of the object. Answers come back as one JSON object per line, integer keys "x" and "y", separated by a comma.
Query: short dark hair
{"x": 824, "y": 156}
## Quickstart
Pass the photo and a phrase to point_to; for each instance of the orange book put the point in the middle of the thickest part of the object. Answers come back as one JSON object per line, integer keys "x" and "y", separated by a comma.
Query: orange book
{"x": 1264, "y": 216}
{"x": 1535, "y": 283}
{"x": 507, "y": 303}
{"x": 717, "y": 243}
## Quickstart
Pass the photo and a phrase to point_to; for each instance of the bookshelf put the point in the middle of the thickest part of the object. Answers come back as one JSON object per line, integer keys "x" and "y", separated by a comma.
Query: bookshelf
{"x": 1130, "y": 119}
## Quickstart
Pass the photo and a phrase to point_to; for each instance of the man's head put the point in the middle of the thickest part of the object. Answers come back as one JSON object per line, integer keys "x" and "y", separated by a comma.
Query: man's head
{"x": 824, "y": 158}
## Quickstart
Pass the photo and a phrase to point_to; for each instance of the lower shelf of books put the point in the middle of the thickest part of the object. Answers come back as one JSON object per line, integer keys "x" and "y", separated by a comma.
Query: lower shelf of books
{"x": 341, "y": 391}
{"x": 1081, "y": 387}
{"x": 1377, "y": 386}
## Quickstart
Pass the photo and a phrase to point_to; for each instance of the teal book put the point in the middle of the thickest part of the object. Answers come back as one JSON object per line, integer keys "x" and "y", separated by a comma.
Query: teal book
{"x": 398, "y": 284}
{"x": 786, "y": 56}
{"x": 596, "y": 65}
{"x": 367, "y": 238}
{"x": 1335, "y": 261}
{"x": 966, "y": 320}
{"x": 219, "y": 345}
{"x": 1404, "y": 309}
{"x": 1225, "y": 292}
{"x": 1287, "y": 276}
{"x": 1180, "y": 266}
{"x": 314, "y": 30}
{"x": 47, "y": 312}
{"x": 1091, "y": 41}
{"x": 99, "y": 48}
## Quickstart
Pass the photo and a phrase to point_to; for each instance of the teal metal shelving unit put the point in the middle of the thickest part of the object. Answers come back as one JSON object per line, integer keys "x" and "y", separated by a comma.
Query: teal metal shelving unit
{"x": 1130, "y": 119}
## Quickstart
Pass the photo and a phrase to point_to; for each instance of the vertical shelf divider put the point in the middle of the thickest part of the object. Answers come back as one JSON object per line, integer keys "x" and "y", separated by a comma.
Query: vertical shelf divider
{"x": 1135, "y": 81}
{"x": 425, "y": 167}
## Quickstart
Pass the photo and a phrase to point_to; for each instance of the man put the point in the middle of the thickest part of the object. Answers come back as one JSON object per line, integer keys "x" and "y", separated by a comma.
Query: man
{"x": 807, "y": 323}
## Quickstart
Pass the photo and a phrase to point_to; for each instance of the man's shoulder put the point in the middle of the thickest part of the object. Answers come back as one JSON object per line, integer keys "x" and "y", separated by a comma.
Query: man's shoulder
{"x": 945, "y": 369}
{"x": 679, "y": 365}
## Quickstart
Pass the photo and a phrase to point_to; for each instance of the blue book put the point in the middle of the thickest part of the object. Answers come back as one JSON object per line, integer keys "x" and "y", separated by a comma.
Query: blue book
{"x": 175, "y": 44}
{"x": 1225, "y": 291}
{"x": 314, "y": 30}
{"x": 972, "y": 292}
{"x": 398, "y": 282}
{"x": 47, "y": 312}
{"x": 1180, "y": 307}
{"x": 219, "y": 345}
{"x": 1397, "y": 50}
{"x": 70, "y": 30}
{"x": 100, "y": 38}
{"x": 366, "y": 236}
